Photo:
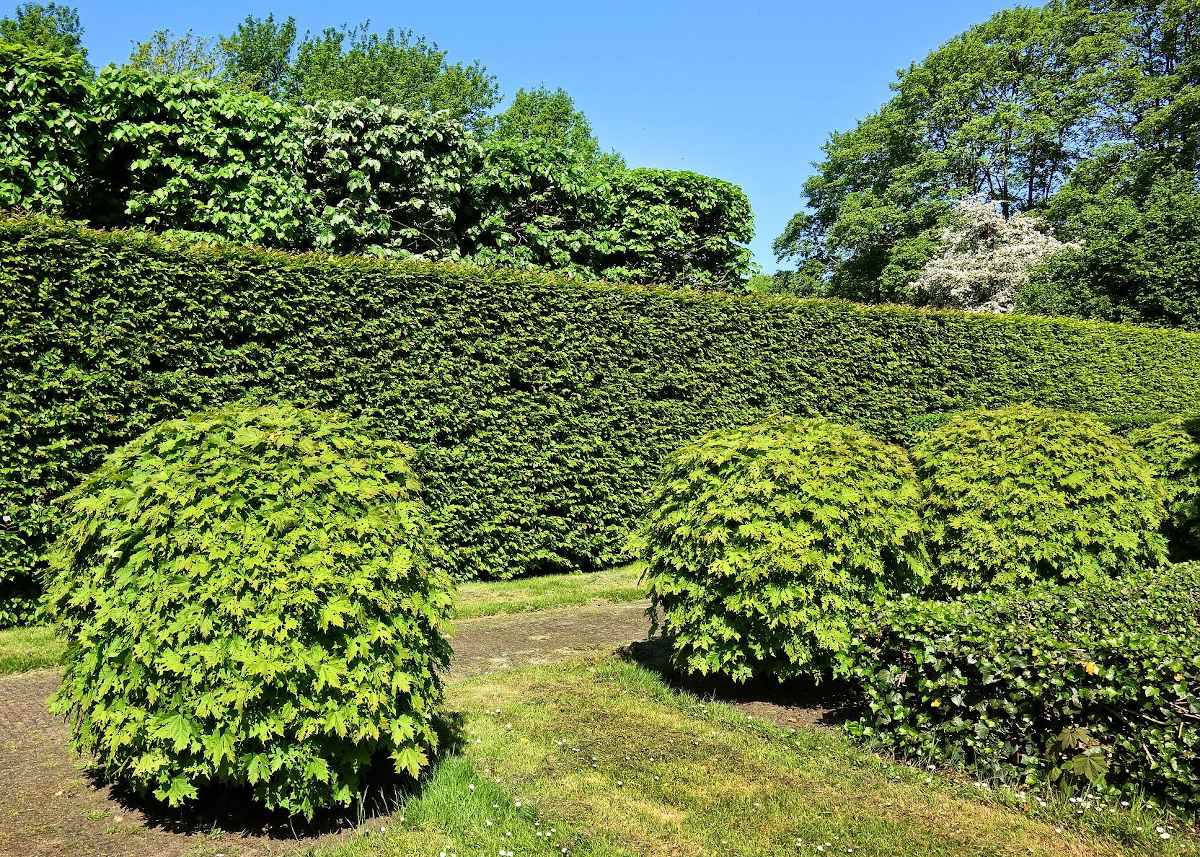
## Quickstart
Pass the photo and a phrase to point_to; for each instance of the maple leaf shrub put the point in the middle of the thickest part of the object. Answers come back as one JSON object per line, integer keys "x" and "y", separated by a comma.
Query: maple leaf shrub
{"x": 1172, "y": 448}
{"x": 1022, "y": 494}
{"x": 251, "y": 596}
{"x": 763, "y": 543}
{"x": 1087, "y": 685}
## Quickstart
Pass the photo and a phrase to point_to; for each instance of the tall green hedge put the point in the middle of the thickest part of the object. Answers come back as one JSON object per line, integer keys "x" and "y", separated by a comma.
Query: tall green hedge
{"x": 540, "y": 408}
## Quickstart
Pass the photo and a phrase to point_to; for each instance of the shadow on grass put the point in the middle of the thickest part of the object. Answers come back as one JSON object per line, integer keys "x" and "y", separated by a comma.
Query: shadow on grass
{"x": 788, "y": 704}
{"x": 233, "y": 809}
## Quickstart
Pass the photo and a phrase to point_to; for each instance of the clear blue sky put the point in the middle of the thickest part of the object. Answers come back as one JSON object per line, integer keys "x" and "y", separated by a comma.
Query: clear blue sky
{"x": 744, "y": 91}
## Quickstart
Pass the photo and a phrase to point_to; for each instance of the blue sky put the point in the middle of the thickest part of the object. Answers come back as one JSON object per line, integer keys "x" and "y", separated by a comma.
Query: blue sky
{"x": 747, "y": 92}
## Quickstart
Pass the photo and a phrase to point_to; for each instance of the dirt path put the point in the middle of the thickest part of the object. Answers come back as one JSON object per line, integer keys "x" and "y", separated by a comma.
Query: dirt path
{"x": 49, "y": 806}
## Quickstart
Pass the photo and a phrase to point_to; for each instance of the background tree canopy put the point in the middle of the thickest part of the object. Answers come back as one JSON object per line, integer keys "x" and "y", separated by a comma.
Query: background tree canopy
{"x": 1086, "y": 113}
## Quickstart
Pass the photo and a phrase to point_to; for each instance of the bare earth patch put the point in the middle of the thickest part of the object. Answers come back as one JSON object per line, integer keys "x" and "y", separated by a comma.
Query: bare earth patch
{"x": 49, "y": 805}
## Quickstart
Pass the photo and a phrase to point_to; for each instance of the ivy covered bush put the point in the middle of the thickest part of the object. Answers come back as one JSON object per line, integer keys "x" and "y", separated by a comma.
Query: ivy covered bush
{"x": 1173, "y": 449}
{"x": 1022, "y": 494}
{"x": 251, "y": 596}
{"x": 763, "y": 543}
{"x": 1093, "y": 684}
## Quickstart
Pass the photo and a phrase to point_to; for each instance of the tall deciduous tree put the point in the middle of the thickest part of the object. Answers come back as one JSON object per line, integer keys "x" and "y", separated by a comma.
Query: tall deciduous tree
{"x": 51, "y": 26}
{"x": 1002, "y": 111}
{"x": 396, "y": 67}
{"x": 167, "y": 53}
{"x": 258, "y": 55}
{"x": 549, "y": 115}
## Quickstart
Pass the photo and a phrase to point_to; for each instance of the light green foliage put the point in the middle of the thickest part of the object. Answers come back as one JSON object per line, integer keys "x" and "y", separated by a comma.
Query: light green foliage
{"x": 550, "y": 116}
{"x": 251, "y": 595}
{"x": 1023, "y": 494}
{"x": 763, "y": 543}
{"x": 673, "y": 227}
{"x": 257, "y": 56}
{"x": 184, "y": 153}
{"x": 1091, "y": 686}
{"x": 43, "y": 128}
{"x": 51, "y": 27}
{"x": 384, "y": 179}
{"x": 167, "y": 53}
{"x": 397, "y": 67}
{"x": 541, "y": 408}
{"x": 1173, "y": 449}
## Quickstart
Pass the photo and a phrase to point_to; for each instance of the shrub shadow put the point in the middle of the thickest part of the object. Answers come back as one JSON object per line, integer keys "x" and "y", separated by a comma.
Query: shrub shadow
{"x": 787, "y": 703}
{"x": 233, "y": 810}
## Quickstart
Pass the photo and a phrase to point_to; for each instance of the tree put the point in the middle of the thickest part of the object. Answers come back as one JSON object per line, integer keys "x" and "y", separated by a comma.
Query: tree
{"x": 985, "y": 259}
{"x": 1136, "y": 218}
{"x": 45, "y": 25}
{"x": 396, "y": 67}
{"x": 257, "y": 56}
{"x": 1003, "y": 112}
{"x": 166, "y": 53}
{"x": 550, "y": 115}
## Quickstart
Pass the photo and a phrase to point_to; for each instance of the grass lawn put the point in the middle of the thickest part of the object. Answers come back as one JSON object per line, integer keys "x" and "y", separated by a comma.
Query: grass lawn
{"x": 24, "y": 649}
{"x": 552, "y": 590}
{"x": 599, "y": 757}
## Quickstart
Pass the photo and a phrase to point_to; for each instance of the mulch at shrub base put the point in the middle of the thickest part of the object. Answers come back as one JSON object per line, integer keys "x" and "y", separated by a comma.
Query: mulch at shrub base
{"x": 50, "y": 805}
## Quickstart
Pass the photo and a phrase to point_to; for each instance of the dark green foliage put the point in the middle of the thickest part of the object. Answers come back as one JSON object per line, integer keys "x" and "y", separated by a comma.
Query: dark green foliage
{"x": 184, "y": 153}
{"x": 251, "y": 596}
{"x": 1023, "y": 494}
{"x": 763, "y": 545}
{"x": 1137, "y": 225}
{"x": 1173, "y": 449}
{"x": 43, "y": 129}
{"x": 672, "y": 227}
{"x": 1083, "y": 684}
{"x": 383, "y": 179}
{"x": 540, "y": 408}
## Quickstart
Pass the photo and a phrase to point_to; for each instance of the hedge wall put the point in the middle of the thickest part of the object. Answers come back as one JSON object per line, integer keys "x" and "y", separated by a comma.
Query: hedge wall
{"x": 540, "y": 407}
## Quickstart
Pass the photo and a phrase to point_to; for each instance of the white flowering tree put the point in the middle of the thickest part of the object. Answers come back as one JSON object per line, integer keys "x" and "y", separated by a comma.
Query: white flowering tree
{"x": 985, "y": 259}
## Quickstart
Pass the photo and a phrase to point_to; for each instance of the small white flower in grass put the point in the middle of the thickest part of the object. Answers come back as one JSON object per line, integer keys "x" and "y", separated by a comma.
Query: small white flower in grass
{"x": 488, "y": 822}
{"x": 620, "y": 782}
{"x": 517, "y": 804}
{"x": 1165, "y": 835}
{"x": 471, "y": 787}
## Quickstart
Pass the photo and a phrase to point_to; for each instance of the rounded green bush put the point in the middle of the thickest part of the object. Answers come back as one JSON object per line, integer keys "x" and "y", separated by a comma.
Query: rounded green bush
{"x": 763, "y": 543}
{"x": 1022, "y": 494}
{"x": 1173, "y": 449}
{"x": 251, "y": 597}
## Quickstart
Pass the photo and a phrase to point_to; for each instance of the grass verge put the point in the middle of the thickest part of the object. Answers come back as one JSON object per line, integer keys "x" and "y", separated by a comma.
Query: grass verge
{"x": 600, "y": 757}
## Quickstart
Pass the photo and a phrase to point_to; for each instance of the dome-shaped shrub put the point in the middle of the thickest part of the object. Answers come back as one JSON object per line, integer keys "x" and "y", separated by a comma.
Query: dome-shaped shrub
{"x": 251, "y": 597}
{"x": 1173, "y": 449}
{"x": 1023, "y": 493}
{"x": 762, "y": 543}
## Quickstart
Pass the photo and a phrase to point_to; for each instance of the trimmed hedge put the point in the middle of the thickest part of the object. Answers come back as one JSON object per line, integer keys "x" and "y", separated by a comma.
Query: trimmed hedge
{"x": 1021, "y": 494}
{"x": 1093, "y": 683}
{"x": 540, "y": 408}
{"x": 763, "y": 545}
{"x": 251, "y": 597}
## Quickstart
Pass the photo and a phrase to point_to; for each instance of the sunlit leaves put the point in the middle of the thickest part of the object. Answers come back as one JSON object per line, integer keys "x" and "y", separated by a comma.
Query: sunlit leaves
{"x": 763, "y": 543}
{"x": 270, "y": 641}
{"x": 1022, "y": 494}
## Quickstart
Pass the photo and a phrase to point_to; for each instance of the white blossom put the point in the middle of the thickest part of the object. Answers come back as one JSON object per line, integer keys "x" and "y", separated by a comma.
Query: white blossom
{"x": 985, "y": 259}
